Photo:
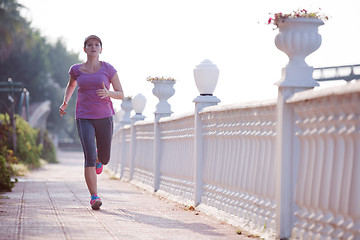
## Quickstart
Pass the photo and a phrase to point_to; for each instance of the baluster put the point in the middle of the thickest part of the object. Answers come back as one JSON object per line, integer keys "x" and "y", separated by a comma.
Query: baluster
{"x": 336, "y": 185}
{"x": 354, "y": 206}
{"x": 348, "y": 105}
{"x": 324, "y": 199}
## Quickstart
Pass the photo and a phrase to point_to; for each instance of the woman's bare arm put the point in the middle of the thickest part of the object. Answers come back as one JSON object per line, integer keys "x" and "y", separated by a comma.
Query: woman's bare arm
{"x": 118, "y": 92}
{"x": 70, "y": 87}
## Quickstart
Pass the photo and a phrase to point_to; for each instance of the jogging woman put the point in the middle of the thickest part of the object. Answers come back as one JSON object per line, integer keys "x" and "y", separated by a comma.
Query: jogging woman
{"x": 94, "y": 110}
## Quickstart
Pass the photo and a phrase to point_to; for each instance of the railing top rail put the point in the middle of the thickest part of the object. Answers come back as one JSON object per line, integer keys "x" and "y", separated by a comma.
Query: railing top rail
{"x": 348, "y": 88}
{"x": 119, "y": 128}
{"x": 177, "y": 117}
{"x": 144, "y": 122}
{"x": 344, "y": 72}
{"x": 243, "y": 105}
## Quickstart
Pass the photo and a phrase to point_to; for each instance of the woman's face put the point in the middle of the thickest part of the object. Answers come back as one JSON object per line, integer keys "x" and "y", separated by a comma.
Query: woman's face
{"x": 93, "y": 47}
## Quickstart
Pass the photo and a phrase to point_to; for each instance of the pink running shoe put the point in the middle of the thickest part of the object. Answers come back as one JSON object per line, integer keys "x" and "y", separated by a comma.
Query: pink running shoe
{"x": 95, "y": 202}
{"x": 99, "y": 167}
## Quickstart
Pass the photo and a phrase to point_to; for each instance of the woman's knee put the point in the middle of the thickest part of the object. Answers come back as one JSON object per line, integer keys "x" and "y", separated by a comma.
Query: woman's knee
{"x": 104, "y": 160}
{"x": 104, "y": 156}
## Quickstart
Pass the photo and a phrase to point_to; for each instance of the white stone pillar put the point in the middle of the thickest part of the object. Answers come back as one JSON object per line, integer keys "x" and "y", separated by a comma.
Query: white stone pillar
{"x": 200, "y": 103}
{"x": 163, "y": 90}
{"x": 122, "y": 154}
{"x": 206, "y": 75}
{"x": 138, "y": 104}
{"x": 297, "y": 38}
{"x": 126, "y": 108}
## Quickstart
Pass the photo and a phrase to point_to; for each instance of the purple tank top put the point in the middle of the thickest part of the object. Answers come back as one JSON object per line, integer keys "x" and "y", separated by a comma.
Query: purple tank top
{"x": 88, "y": 104}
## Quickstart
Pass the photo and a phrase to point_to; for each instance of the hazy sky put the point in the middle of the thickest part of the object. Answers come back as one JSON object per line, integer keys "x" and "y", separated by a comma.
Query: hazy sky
{"x": 170, "y": 37}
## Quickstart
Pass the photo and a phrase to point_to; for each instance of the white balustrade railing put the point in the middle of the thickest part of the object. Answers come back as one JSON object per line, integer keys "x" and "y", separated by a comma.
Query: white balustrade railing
{"x": 177, "y": 156}
{"x": 143, "y": 171}
{"x": 239, "y": 165}
{"x": 120, "y": 153}
{"x": 291, "y": 166}
{"x": 328, "y": 185}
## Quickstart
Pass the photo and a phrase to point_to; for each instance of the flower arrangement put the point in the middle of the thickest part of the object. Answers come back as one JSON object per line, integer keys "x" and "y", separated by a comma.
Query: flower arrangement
{"x": 280, "y": 17}
{"x": 160, "y": 78}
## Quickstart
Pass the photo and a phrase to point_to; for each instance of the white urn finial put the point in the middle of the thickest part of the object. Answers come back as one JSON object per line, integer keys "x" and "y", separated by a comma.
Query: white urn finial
{"x": 126, "y": 107}
{"x": 163, "y": 90}
{"x": 138, "y": 103}
{"x": 206, "y": 76}
{"x": 298, "y": 38}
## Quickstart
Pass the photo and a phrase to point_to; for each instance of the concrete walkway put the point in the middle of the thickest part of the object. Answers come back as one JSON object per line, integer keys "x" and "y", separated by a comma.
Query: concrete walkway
{"x": 53, "y": 203}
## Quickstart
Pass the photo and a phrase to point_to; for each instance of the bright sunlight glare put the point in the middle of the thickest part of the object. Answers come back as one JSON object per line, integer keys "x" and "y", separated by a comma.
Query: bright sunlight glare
{"x": 144, "y": 38}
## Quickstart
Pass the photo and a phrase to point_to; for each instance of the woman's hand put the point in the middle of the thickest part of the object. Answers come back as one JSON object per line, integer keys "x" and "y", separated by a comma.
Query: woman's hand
{"x": 62, "y": 108}
{"x": 103, "y": 92}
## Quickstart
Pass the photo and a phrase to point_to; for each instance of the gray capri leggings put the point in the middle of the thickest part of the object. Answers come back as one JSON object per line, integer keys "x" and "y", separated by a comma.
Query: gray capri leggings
{"x": 100, "y": 130}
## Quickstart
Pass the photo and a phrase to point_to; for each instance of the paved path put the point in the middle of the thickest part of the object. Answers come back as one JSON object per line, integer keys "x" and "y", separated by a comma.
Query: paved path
{"x": 53, "y": 203}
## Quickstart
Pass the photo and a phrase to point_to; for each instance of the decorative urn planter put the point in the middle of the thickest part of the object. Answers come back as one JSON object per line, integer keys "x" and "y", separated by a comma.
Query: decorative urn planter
{"x": 163, "y": 90}
{"x": 206, "y": 76}
{"x": 298, "y": 38}
{"x": 126, "y": 107}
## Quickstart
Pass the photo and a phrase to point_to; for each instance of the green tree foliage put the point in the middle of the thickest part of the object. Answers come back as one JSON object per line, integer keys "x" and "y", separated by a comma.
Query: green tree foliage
{"x": 28, "y": 150}
{"x": 41, "y": 66}
{"x": 5, "y": 179}
{"x": 49, "y": 151}
{"x": 13, "y": 28}
{"x": 5, "y": 131}
{"x": 32, "y": 143}
{"x": 60, "y": 61}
